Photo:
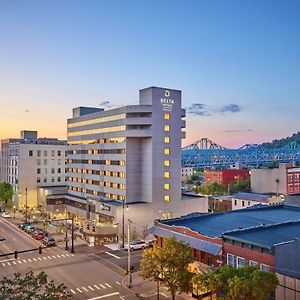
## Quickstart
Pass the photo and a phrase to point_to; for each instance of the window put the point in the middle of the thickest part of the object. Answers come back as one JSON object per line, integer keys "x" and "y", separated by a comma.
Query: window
{"x": 167, "y": 151}
{"x": 30, "y": 153}
{"x": 167, "y": 163}
{"x": 38, "y": 153}
{"x": 167, "y": 127}
{"x": 169, "y": 215}
{"x": 167, "y": 198}
{"x": 45, "y": 162}
{"x": 243, "y": 203}
{"x": 249, "y": 203}
{"x": 167, "y": 174}
{"x": 45, "y": 153}
{"x": 45, "y": 179}
{"x": 38, "y": 180}
{"x": 52, "y": 170}
{"x": 264, "y": 268}
{"x": 240, "y": 262}
{"x": 58, "y": 179}
{"x": 38, "y": 171}
{"x": 235, "y": 202}
{"x": 58, "y": 170}
{"x": 231, "y": 260}
{"x": 167, "y": 116}
{"x": 46, "y": 171}
{"x": 52, "y": 179}
{"x": 167, "y": 139}
{"x": 167, "y": 186}
{"x": 59, "y": 162}
{"x": 253, "y": 263}
{"x": 52, "y": 152}
{"x": 58, "y": 153}
{"x": 38, "y": 161}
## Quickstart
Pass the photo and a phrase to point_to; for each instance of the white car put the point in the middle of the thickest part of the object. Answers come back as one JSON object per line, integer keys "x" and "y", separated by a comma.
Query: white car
{"x": 136, "y": 245}
{"x": 5, "y": 215}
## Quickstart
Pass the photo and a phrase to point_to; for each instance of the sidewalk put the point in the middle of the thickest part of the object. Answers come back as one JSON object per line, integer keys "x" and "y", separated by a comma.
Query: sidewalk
{"x": 147, "y": 289}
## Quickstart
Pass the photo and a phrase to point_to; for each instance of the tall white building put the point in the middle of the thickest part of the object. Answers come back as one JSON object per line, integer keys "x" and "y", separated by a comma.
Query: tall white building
{"x": 31, "y": 162}
{"x": 128, "y": 156}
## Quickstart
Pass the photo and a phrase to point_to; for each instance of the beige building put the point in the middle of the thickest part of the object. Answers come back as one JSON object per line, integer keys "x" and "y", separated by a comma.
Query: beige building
{"x": 31, "y": 162}
{"x": 186, "y": 173}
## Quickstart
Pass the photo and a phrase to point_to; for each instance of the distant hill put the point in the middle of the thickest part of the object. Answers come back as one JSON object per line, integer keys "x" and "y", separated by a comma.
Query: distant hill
{"x": 288, "y": 142}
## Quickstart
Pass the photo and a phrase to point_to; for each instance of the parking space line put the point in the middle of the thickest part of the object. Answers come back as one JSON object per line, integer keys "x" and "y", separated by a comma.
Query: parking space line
{"x": 117, "y": 282}
{"x": 53, "y": 256}
{"x": 34, "y": 259}
{"x": 85, "y": 289}
{"x": 8, "y": 263}
{"x": 108, "y": 285}
{"x": 72, "y": 291}
{"x": 24, "y": 261}
{"x": 63, "y": 255}
{"x": 79, "y": 290}
{"x": 67, "y": 254}
{"x": 49, "y": 257}
{"x": 14, "y": 263}
{"x": 90, "y": 288}
{"x": 39, "y": 258}
{"x": 97, "y": 287}
{"x": 29, "y": 259}
{"x": 58, "y": 256}
{"x": 19, "y": 262}
{"x": 3, "y": 264}
{"x": 104, "y": 287}
{"x": 44, "y": 257}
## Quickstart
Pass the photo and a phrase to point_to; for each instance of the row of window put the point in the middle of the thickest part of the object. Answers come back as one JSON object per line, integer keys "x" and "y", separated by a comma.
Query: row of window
{"x": 97, "y": 193}
{"x": 113, "y": 185}
{"x": 45, "y": 179}
{"x": 167, "y": 197}
{"x": 97, "y": 151}
{"x": 97, "y": 172}
{"x": 45, "y": 162}
{"x": 98, "y": 130}
{"x": 58, "y": 170}
{"x": 45, "y": 152}
{"x": 97, "y": 162}
{"x": 98, "y": 141}
{"x": 239, "y": 262}
{"x": 97, "y": 120}
{"x": 294, "y": 177}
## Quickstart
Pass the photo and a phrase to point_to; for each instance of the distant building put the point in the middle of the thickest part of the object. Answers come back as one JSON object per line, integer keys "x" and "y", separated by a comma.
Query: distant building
{"x": 267, "y": 237}
{"x": 31, "y": 162}
{"x": 226, "y": 176}
{"x": 283, "y": 180}
{"x": 186, "y": 173}
{"x": 243, "y": 200}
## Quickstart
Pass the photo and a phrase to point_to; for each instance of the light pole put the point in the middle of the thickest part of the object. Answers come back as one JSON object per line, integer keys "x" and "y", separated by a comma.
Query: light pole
{"x": 14, "y": 211}
{"x": 123, "y": 223}
{"x": 129, "y": 256}
{"x": 26, "y": 206}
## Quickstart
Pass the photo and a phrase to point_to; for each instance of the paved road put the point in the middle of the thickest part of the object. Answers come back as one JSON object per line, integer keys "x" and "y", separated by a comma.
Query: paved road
{"x": 85, "y": 277}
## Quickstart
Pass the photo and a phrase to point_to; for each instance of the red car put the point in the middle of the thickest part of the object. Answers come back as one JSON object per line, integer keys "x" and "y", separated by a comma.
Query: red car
{"x": 38, "y": 235}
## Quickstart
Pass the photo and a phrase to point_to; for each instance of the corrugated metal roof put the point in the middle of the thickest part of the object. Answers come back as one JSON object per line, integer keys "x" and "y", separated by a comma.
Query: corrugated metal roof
{"x": 214, "y": 225}
{"x": 198, "y": 244}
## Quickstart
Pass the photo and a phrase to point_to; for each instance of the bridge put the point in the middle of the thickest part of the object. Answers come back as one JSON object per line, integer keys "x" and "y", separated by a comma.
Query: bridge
{"x": 206, "y": 154}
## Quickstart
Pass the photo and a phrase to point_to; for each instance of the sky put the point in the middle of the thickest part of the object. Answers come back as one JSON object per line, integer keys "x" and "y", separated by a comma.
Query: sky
{"x": 236, "y": 62}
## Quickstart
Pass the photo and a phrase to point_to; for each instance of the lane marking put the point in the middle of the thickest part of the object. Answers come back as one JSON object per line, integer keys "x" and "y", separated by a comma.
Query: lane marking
{"x": 34, "y": 259}
{"x": 97, "y": 287}
{"x": 113, "y": 255}
{"x": 63, "y": 255}
{"x": 3, "y": 264}
{"x": 49, "y": 257}
{"x": 5, "y": 260}
{"x": 53, "y": 256}
{"x": 58, "y": 256}
{"x": 44, "y": 257}
{"x": 24, "y": 261}
{"x": 108, "y": 285}
{"x": 29, "y": 259}
{"x": 73, "y": 291}
{"x": 19, "y": 262}
{"x": 67, "y": 254}
{"x": 85, "y": 289}
{"x": 39, "y": 258}
{"x": 104, "y": 287}
{"x": 117, "y": 282}
{"x": 14, "y": 263}
{"x": 104, "y": 296}
{"x": 79, "y": 290}
{"x": 90, "y": 288}
{"x": 72, "y": 254}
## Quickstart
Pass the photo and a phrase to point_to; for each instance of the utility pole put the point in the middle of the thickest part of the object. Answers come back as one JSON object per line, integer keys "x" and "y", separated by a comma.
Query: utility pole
{"x": 66, "y": 238}
{"x": 129, "y": 256}
{"x": 72, "y": 245}
{"x": 123, "y": 225}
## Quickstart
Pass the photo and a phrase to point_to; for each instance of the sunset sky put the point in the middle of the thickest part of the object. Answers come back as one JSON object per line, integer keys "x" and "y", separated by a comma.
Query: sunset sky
{"x": 236, "y": 62}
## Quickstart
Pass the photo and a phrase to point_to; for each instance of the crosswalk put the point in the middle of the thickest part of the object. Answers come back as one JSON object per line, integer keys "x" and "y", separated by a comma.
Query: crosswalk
{"x": 93, "y": 287}
{"x": 11, "y": 262}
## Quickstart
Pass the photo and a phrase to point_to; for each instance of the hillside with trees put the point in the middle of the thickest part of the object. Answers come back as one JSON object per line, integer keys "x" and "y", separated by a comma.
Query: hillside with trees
{"x": 288, "y": 142}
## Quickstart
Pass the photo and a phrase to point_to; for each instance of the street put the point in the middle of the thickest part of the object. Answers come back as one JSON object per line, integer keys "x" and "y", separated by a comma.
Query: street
{"x": 85, "y": 277}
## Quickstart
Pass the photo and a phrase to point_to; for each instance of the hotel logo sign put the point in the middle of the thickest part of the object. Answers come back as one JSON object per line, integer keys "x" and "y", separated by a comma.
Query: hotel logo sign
{"x": 166, "y": 101}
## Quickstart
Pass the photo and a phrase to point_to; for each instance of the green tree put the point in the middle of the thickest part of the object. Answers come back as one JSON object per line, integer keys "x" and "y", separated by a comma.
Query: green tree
{"x": 247, "y": 283}
{"x": 6, "y": 194}
{"x": 168, "y": 264}
{"x": 213, "y": 189}
{"x": 195, "y": 177}
{"x": 238, "y": 186}
{"x": 32, "y": 287}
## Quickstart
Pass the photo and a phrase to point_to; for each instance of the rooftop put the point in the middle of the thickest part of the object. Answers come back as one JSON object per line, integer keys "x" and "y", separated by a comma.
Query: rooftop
{"x": 251, "y": 197}
{"x": 267, "y": 236}
{"x": 214, "y": 225}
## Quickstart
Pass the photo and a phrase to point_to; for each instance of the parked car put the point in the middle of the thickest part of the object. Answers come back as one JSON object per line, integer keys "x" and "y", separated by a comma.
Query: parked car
{"x": 5, "y": 215}
{"x": 49, "y": 241}
{"x": 38, "y": 234}
{"x": 136, "y": 245}
{"x": 29, "y": 229}
{"x": 150, "y": 243}
{"x": 23, "y": 225}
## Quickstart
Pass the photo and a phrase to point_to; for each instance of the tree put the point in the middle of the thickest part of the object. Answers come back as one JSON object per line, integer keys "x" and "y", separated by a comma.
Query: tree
{"x": 168, "y": 264}
{"x": 213, "y": 189}
{"x": 240, "y": 185}
{"x": 195, "y": 177}
{"x": 32, "y": 287}
{"x": 6, "y": 194}
{"x": 247, "y": 283}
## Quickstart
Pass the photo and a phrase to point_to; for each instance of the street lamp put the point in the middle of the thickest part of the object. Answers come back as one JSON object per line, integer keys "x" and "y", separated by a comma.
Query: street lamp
{"x": 123, "y": 222}
{"x": 26, "y": 205}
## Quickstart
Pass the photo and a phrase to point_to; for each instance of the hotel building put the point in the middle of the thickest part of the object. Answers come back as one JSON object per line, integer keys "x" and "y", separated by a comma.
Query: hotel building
{"x": 128, "y": 156}
{"x": 29, "y": 162}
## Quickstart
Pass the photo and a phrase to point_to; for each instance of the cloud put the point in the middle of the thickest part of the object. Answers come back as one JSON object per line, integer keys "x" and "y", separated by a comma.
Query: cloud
{"x": 200, "y": 109}
{"x": 238, "y": 130}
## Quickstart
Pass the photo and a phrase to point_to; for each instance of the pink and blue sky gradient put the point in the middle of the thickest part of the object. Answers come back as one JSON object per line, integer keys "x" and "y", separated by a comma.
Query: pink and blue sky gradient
{"x": 237, "y": 63}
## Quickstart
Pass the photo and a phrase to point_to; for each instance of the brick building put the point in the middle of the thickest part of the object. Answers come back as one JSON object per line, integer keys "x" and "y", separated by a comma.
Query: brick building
{"x": 226, "y": 176}
{"x": 257, "y": 236}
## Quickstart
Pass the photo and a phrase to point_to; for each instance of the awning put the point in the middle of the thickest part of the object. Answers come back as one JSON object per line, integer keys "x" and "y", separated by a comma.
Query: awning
{"x": 198, "y": 244}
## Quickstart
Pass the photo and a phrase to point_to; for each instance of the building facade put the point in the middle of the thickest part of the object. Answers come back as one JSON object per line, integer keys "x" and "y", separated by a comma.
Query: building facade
{"x": 282, "y": 180}
{"x": 31, "y": 162}
{"x": 226, "y": 176}
{"x": 186, "y": 173}
{"x": 128, "y": 157}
